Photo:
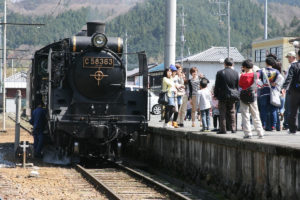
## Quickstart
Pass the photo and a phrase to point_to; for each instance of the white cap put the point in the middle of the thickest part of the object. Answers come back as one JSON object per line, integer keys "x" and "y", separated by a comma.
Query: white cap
{"x": 291, "y": 54}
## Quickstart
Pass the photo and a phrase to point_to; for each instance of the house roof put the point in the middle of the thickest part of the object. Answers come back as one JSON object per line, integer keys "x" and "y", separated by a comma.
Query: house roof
{"x": 18, "y": 80}
{"x": 132, "y": 72}
{"x": 216, "y": 54}
{"x": 157, "y": 68}
{"x": 135, "y": 71}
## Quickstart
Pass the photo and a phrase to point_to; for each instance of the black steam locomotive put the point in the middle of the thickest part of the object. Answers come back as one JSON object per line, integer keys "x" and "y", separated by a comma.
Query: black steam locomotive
{"x": 81, "y": 80}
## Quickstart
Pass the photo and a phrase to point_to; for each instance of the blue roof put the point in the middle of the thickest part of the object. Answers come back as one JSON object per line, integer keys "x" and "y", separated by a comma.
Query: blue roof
{"x": 158, "y": 68}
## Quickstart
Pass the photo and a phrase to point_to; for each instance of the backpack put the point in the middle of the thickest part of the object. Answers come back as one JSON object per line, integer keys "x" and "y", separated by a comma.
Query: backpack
{"x": 249, "y": 95}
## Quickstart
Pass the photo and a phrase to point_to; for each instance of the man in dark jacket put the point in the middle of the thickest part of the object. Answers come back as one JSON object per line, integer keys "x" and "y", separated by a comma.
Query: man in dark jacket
{"x": 226, "y": 91}
{"x": 39, "y": 121}
{"x": 293, "y": 81}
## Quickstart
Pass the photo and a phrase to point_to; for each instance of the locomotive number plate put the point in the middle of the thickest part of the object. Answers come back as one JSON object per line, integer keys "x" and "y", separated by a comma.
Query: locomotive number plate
{"x": 98, "y": 62}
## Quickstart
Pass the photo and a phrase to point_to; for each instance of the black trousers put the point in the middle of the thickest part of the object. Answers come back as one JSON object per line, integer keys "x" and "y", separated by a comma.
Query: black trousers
{"x": 227, "y": 115}
{"x": 169, "y": 112}
{"x": 216, "y": 119}
{"x": 293, "y": 107}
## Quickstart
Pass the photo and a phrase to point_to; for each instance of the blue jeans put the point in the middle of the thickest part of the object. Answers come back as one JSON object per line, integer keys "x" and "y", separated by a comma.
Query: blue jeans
{"x": 268, "y": 112}
{"x": 38, "y": 138}
{"x": 205, "y": 119}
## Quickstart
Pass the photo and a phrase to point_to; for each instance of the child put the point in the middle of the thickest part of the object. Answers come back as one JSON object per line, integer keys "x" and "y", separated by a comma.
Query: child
{"x": 215, "y": 113}
{"x": 204, "y": 104}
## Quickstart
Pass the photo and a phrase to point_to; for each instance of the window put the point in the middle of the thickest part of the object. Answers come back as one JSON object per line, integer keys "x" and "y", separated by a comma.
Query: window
{"x": 260, "y": 55}
{"x": 277, "y": 51}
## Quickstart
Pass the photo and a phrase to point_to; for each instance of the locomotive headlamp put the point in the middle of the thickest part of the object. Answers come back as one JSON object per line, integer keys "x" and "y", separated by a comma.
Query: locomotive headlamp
{"x": 99, "y": 40}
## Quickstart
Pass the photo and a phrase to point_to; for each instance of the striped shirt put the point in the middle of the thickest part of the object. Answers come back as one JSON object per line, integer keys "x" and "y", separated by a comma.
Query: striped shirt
{"x": 195, "y": 86}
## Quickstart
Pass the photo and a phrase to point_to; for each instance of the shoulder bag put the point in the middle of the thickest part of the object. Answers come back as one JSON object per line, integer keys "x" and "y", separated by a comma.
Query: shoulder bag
{"x": 163, "y": 98}
{"x": 274, "y": 93}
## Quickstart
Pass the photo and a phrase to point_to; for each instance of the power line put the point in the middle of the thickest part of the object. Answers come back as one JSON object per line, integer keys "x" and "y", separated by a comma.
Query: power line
{"x": 16, "y": 49}
{"x": 54, "y": 9}
{"x": 16, "y": 58}
{"x": 21, "y": 24}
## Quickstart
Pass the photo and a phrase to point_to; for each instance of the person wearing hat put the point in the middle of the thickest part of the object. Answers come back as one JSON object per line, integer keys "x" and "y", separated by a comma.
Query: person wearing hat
{"x": 291, "y": 56}
{"x": 292, "y": 84}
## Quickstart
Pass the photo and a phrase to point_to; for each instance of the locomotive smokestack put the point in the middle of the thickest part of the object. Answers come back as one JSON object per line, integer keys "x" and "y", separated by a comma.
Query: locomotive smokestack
{"x": 93, "y": 27}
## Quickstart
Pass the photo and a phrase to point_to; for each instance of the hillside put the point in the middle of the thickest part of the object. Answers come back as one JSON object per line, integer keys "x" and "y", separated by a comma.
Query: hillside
{"x": 55, "y": 7}
{"x": 145, "y": 26}
{"x": 287, "y": 2}
{"x": 284, "y": 11}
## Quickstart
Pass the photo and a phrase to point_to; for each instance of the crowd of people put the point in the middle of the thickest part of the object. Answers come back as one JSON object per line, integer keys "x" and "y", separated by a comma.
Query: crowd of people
{"x": 264, "y": 97}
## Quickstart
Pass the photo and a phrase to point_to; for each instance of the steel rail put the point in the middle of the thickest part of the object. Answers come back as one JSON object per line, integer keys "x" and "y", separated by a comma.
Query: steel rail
{"x": 147, "y": 180}
{"x": 152, "y": 182}
{"x": 24, "y": 128}
{"x": 98, "y": 184}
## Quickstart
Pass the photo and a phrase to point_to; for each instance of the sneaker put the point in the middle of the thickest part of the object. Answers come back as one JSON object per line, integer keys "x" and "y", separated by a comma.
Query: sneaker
{"x": 202, "y": 130}
{"x": 206, "y": 130}
{"x": 247, "y": 136}
{"x": 174, "y": 124}
{"x": 169, "y": 125}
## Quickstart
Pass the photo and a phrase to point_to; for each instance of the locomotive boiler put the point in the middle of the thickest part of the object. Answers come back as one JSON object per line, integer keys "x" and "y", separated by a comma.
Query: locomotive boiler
{"x": 81, "y": 80}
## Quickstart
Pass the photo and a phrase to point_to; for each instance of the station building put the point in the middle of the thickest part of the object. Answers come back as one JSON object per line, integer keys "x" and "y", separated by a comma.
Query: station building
{"x": 279, "y": 46}
{"x": 13, "y": 83}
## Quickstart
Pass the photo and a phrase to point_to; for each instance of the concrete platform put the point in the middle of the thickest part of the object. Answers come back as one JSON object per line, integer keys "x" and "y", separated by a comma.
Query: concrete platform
{"x": 240, "y": 168}
{"x": 281, "y": 138}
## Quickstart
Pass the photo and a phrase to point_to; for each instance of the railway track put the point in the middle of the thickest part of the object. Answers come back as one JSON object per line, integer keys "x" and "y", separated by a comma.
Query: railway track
{"x": 121, "y": 182}
{"x": 23, "y": 124}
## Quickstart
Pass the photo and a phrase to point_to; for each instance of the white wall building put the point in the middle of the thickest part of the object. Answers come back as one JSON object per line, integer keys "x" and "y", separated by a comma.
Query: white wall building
{"x": 12, "y": 84}
{"x": 211, "y": 60}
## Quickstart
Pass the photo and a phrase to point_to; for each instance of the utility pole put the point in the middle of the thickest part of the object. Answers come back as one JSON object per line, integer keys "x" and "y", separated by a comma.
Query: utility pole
{"x": 182, "y": 40}
{"x": 228, "y": 26}
{"x": 220, "y": 14}
{"x": 4, "y": 60}
{"x": 4, "y": 68}
{"x": 266, "y": 20}
{"x": 170, "y": 33}
{"x": 1, "y": 63}
{"x": 125, "y": 55}
{"x": 12, "y": 66}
